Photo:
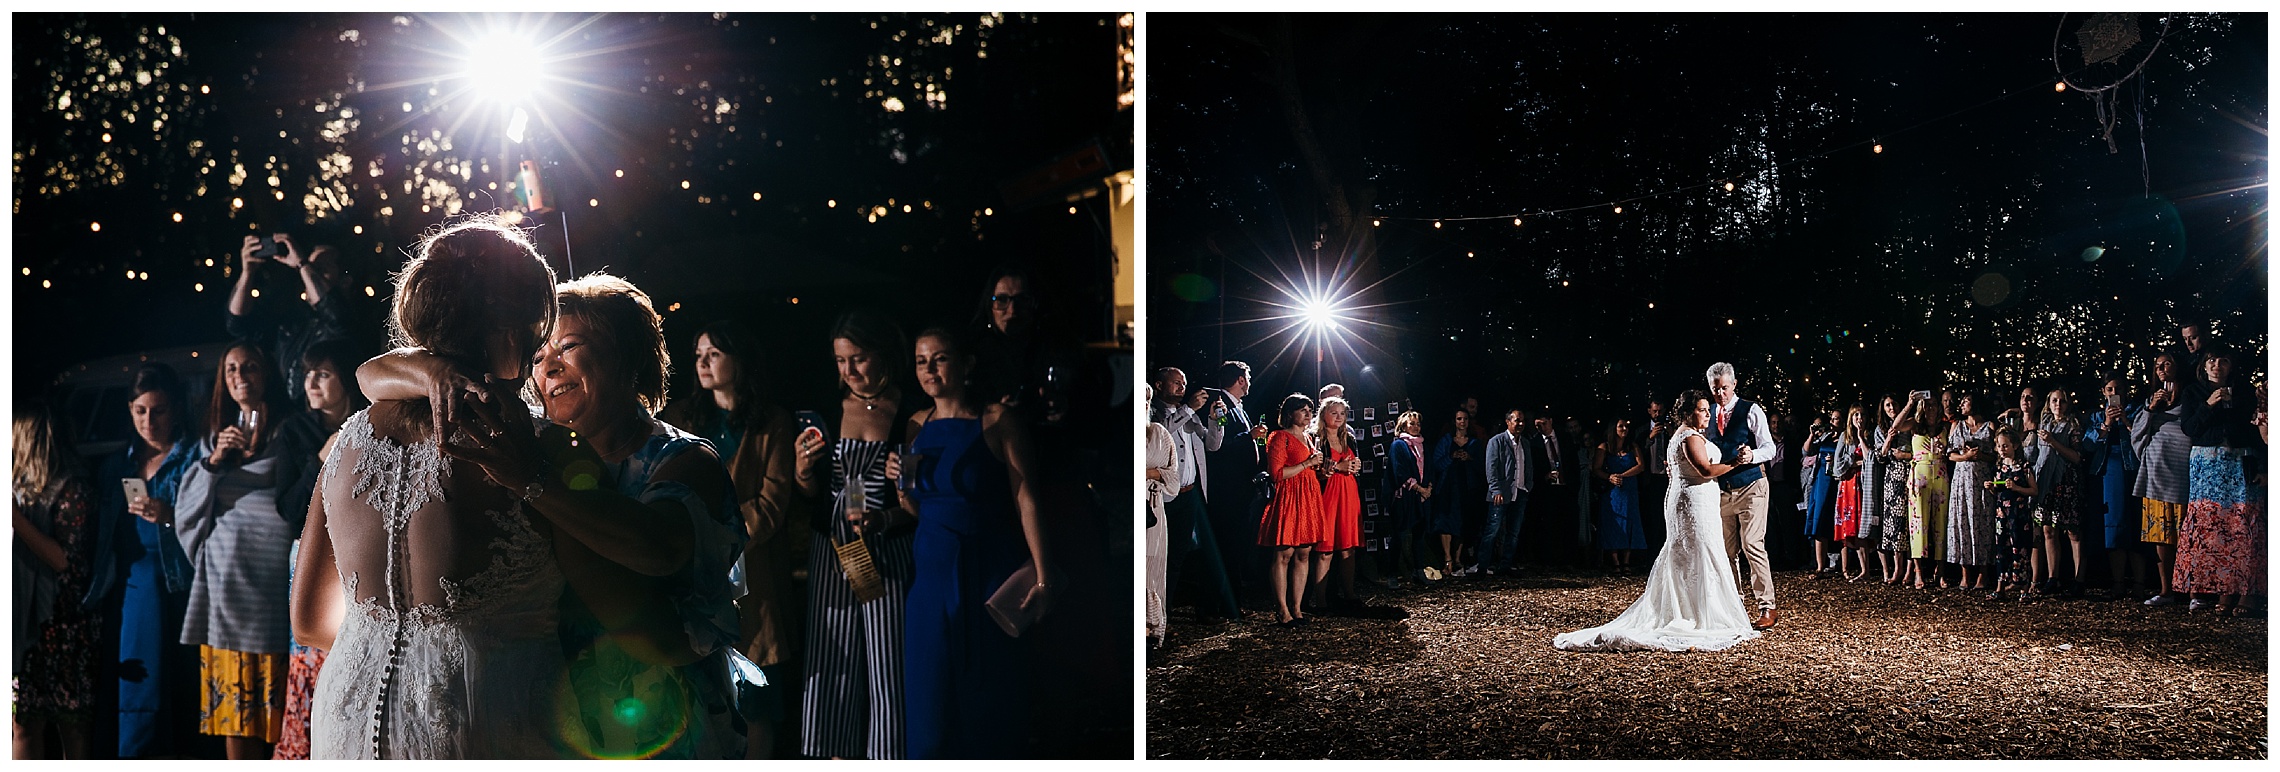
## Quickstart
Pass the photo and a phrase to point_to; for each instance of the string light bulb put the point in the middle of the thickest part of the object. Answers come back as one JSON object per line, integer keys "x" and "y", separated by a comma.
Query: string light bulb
{"x": 1377, "y": 223}
{"x": 1729, "y": 187}
{"x": 177, "y": 216}
{"x": 1878, "y": 148}
{"x": 1436, "y": 223}
{"x": 2059, "y": 86}
{"x": 1515, "y": 222}
{"x": 1618, "y": 208}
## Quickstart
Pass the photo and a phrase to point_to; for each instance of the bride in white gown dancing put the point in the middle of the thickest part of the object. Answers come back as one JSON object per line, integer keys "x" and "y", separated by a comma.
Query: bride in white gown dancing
{"x": 1691, "y": 603}
{"x": 435, "y": 590}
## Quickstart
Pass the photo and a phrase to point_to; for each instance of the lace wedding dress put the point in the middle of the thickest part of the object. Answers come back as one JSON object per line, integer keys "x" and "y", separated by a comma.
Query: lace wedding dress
{"x": 1691, "y": 602}
{"x": 448, "y": 647}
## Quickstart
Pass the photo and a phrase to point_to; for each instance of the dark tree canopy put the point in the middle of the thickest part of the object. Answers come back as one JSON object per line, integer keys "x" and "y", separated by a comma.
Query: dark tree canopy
{"x": 1912, "y": 205}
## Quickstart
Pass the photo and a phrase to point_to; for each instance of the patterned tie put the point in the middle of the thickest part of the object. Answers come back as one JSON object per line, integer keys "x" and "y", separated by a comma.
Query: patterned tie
{"x": 1722, "y": 413}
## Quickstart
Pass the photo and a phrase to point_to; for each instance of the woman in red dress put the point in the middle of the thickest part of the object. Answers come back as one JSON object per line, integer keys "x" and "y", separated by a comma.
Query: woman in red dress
{"x": 1293, "y": 521}
{"x": 1341, "y": 502}
{"x": 1852, "y": 547}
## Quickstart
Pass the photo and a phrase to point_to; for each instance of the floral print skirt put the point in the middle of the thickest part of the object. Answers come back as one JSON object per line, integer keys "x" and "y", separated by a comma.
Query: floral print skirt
{"x": 2220, "y": 543}
{"x": 244, "y": 694}
{"x": 300, "y": 685}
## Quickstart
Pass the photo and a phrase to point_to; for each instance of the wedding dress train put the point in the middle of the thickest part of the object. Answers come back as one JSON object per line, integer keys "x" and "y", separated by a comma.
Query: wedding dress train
{"x": 1691, "y": 601}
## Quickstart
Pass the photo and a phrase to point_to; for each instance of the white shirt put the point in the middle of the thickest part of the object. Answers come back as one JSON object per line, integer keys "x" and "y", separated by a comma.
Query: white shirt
{"x": 1188, "y": 432}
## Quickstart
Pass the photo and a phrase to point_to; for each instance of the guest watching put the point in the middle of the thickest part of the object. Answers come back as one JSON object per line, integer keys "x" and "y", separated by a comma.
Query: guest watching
{"x": 1454, "y": 465}
{"x": 1971, "y": 510}
{"x": 1341, "y": 531}
{"x": 2107, "y": 477}
{"x": 141, "y": 578}
{"x": 731, "y": 407}
{"x": 54, "y": 633}
{"x": 237, "y": 529}
{"x": 853, "y": 705}
{"x": 1292, "y": 523}
{"x": 2058, "y": 480}
{"x": 1193, "y": 541}
{"x": 2220, "y": 543}
{"x": 2165, "y": 458}
{"x": 1622, "y": 526}
{"x": 1234, "y": 512}
{"x": 285, "y": 334}
{"x": 1511, "y": 475}
{"x": 972, "y": 490}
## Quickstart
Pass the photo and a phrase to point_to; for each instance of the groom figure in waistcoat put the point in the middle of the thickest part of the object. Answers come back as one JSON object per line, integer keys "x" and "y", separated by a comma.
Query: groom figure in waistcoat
{"x": 1738, "y": 429}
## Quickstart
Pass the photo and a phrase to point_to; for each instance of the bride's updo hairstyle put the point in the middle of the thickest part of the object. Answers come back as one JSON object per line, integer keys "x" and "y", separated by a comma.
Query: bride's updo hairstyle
{"x": 1287, "y": 415}
{"x": 1683, "y": 409}
{"x": 467, "y": 280}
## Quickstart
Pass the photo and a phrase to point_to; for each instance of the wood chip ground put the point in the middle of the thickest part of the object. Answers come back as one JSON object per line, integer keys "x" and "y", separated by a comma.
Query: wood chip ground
{"x": 1852, "y": 671}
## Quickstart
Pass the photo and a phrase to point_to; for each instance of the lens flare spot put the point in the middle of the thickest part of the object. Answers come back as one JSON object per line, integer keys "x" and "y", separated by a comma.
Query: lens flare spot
{"x": 1193, "y": 288}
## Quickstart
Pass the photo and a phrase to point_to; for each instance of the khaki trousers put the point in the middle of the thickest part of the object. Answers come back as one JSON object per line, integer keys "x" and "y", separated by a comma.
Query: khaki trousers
{"x": 1742, "y": 512}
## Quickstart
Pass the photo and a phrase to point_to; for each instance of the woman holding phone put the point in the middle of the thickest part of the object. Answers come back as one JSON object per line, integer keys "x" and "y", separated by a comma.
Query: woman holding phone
{"x": 854, "y": 703}
{"x": 2220, "y": 543}
{"x": 2164, "y": 456}
{"x": 232, "y": 517}
{"x": 141, "y": 572}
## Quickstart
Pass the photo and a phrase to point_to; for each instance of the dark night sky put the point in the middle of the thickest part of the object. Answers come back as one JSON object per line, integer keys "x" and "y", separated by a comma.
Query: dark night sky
{"x": 734, "y": 104}
{"x": 1988, "y": 179}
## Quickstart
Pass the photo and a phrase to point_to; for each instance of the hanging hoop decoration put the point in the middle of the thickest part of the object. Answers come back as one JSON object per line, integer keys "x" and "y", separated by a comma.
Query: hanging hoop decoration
{"x": 2106, "y": 50}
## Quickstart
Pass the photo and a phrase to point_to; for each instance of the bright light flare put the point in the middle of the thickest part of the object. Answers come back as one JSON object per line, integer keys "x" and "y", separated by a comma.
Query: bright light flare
{"x": 503, "y": 67}
{"x": 1319, "y": 315}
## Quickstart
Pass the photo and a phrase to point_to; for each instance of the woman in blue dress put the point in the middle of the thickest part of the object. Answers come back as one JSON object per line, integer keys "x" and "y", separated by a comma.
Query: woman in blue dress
{"x": 1820, "y": 460}
{"x": 139, "y": 565}
{"x": 1622, "y": 526}
{"x": 965, "y": 677}
{"x": 2109, "y": 473}
{"x": 1455, "y": 465}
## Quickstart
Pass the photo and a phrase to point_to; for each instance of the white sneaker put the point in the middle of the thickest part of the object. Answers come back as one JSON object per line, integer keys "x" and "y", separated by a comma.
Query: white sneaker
{"x": 1469, "y": 570}
{"x": 2161, "y": 600}
{"x": 2197, "y": 605}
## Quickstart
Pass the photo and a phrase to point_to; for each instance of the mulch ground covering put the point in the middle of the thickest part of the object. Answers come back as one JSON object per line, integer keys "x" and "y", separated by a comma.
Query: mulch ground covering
{"x": 1851, "y": 671}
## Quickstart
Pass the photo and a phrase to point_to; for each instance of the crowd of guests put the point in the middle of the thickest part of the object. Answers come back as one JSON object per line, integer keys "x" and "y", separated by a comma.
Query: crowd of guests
{"x": 2160, "y": 483}
{"x": 834, "y": 599}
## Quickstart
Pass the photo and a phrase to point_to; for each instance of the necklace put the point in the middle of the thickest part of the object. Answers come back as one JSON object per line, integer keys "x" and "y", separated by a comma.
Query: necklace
{"x": 870, "y": 402}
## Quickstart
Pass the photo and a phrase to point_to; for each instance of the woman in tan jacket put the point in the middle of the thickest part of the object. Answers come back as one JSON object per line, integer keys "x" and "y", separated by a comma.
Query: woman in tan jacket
{"x": 730, "y": 408}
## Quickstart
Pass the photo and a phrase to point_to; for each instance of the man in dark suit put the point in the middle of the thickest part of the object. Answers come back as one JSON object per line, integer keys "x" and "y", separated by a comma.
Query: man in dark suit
{"x": 1235, "y": 508}
{"x": 1553, "y": 495}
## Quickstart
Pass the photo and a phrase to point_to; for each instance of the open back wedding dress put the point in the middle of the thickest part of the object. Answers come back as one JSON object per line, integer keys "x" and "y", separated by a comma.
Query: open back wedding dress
{"x": 448, "y": 647}
{"x": 1690, "y": 602}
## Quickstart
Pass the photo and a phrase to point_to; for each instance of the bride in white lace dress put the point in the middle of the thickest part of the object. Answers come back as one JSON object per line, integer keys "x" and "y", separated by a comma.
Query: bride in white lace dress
{"x": 1691, "y": 602}
{"x": 433, "y": 590}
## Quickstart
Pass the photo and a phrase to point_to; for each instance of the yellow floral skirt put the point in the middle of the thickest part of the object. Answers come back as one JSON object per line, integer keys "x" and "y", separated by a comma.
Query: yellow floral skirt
{"x": 244, "y": 694}
{"x": 2160, "y": 523}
